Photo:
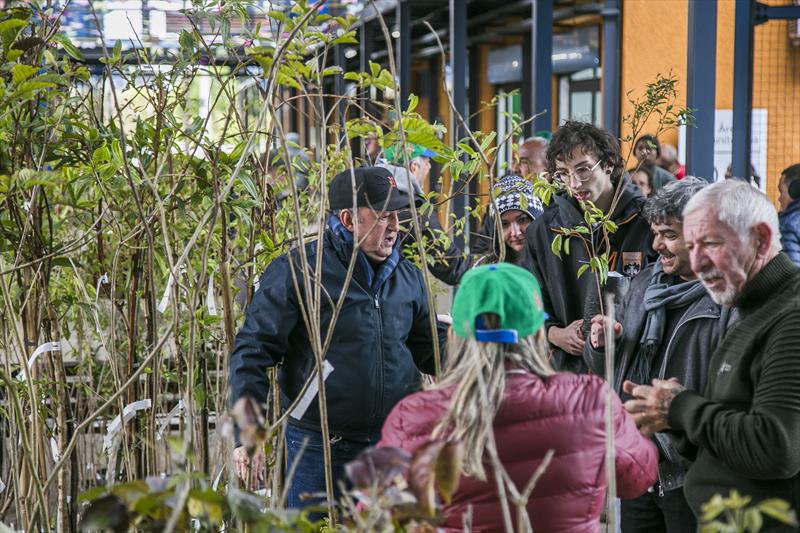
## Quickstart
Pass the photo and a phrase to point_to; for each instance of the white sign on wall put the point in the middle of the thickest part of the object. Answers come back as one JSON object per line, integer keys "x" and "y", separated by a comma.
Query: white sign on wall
{"x": 723, "y": 143}
{"x": 723, "y": 139}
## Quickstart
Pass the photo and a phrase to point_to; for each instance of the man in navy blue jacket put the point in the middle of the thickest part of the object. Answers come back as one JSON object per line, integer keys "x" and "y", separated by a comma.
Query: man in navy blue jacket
{"x": 380, "y": 342}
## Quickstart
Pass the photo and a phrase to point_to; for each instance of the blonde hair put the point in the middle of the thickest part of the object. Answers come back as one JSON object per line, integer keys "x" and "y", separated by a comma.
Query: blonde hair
{"x": 477, "y": 373}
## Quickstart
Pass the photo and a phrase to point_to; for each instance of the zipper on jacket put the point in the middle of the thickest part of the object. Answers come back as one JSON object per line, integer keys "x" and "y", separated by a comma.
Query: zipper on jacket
{"x": 379, "y": 399}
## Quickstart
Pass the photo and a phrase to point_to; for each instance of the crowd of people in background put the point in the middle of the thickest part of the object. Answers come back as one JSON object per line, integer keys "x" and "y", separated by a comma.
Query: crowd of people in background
{"x": 706, "y": 289}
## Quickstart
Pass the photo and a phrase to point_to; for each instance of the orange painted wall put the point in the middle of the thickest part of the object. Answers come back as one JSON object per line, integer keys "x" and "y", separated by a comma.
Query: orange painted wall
{"x": 654, "y": 40}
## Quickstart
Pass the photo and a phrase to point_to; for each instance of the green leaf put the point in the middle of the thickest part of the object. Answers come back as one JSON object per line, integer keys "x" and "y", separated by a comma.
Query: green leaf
{"x": 713, "y": 527}
{"x": 27, "y": 89}
{"x": 330, "y": 71}
{"x": 448, "y": 469}
{"x": 779, "y": 510}
{"x": 753, "y": 520}
{"x": 413, "y": 101}
{"x": 68, "y": 47}
{"x": 249, "y": 186}
{"x": 555, "y": 246}
{"x": 582, "y": 269}
{"x": 91, "y": 494}
{"x": 20, "y": 73}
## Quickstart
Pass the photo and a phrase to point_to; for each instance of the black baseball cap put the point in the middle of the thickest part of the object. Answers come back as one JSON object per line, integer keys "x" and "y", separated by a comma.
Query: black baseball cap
{"x": 376, "y": 188}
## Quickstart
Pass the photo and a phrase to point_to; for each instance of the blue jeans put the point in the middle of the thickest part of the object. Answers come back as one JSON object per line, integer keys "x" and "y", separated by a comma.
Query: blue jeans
{"x": 309, "y": 474}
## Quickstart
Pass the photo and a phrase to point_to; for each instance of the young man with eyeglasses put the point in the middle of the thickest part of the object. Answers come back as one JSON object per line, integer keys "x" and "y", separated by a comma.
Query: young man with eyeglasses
{"x": 586, "y": 161}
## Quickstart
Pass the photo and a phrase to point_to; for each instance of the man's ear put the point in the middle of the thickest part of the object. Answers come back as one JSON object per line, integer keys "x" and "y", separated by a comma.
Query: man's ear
{"x": 763, "y": 233}
{"x": 346, "y": 217}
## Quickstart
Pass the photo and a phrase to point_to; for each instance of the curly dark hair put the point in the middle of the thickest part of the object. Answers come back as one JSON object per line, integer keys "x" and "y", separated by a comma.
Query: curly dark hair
{"x": 666, "y": 205}
{"x": 591, "y": 140}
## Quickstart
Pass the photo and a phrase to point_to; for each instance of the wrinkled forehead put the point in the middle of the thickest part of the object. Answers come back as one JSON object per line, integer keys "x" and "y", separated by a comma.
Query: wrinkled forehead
{"x": 704, "y": 223}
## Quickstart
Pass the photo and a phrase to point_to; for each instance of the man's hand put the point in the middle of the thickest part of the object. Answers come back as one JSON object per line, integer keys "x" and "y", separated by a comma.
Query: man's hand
{"x": 569, "y": 339}
{"x": 249, "y": 476}
{"x": 650, "y": 405}
{"x": 598, "y": 333}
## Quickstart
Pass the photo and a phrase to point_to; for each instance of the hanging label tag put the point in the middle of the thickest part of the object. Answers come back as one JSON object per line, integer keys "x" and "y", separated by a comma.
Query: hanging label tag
{"x": 212, "y": 306}
{"x": 46, "y": 347}
{"x": 128, "y": 412}
{"x": 54, "y": 449}
{"x": 312, "y": 390}
{"x": 172, "y": 414}
{"x": 162, "y": 305}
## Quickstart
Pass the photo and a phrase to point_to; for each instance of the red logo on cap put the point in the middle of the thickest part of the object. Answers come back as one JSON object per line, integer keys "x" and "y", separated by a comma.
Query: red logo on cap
{"x": 391, "y": 181}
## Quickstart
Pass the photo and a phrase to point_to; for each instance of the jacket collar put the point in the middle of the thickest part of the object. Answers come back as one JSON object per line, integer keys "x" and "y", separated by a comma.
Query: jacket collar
{"x": 767, "y": 283}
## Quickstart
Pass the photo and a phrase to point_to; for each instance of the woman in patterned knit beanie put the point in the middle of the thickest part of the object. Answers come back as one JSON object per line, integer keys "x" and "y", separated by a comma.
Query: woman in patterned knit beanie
{"x": 518, "y": 206}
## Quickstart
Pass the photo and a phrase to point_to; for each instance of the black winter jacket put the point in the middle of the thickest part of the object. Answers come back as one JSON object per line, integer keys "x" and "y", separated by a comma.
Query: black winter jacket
{"x": 563, "y": 293}
{"x": 688, "y": 352}
{"x": 379, "y": 341}
{"x": 746, "y": 425}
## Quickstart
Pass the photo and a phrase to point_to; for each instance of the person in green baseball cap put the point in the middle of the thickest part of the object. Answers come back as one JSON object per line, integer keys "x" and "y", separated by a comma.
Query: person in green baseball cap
{"x": 500, "y": 397}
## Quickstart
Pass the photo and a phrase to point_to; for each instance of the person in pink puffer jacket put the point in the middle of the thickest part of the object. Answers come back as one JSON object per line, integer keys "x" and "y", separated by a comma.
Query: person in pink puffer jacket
{"x": 499, "y": 389}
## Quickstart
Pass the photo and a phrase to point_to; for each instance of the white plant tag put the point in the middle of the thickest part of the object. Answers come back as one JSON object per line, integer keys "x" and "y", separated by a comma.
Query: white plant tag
{"x": 212, "y": 306}
{"x": 162, "y": 305}
{"x": 46, "y": 347}
{"x": 128, "y": 412}
{"x": 54, "y": 449}
{"x": 312, "y": 390}
{"x": 172, "y": 414}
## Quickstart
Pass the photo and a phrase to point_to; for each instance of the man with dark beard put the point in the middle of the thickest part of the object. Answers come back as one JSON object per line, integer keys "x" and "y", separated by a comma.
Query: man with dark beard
{"x": 668, "y": 327}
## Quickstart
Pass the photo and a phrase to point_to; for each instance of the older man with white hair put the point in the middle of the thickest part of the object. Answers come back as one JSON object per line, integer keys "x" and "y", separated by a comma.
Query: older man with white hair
{"x": 745, "y": 429}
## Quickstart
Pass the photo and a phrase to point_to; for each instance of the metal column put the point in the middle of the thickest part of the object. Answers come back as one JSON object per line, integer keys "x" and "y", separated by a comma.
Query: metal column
{"x": 742, "y": 89}
{"x": 701, "y": 86}
{"x": 458, "y": 69}
{"x": 537, "y": 68}
{"x": 611, "y": 59}
{"x": 403, "y": 50}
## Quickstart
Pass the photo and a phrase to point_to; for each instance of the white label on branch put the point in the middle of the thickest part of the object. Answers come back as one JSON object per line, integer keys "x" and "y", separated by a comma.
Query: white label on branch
{"x": 172, "y": 414}
{"x": 312, "y": 390}
{"x": 212, "y": 306}
{"x": 162, "y": 305}
{"x": 54, "y": 449}
{"x": 128, "y": 412}
{"x": 46, "y": 347}
{"x": 2, "y": 486}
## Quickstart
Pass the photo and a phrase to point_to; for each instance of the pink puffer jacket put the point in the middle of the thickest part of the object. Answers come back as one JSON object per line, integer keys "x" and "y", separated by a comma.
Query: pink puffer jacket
{"x": 564, "y": 412}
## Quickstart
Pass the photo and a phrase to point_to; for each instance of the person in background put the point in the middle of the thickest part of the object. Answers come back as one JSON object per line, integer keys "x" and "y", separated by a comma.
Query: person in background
{"x": 650, "y": 178}
{"x": 668, "y": 326}
{"x": 499, "y": 391}
{"x": 586, "y": 161}
{"x": 754, "y": 179}
{"x": 448, "y": 261}
{"x": 647, "y": 148}
{"x": 517, "y": 206}
{"x": 531, "y": 157}
{"x": 372, "y": 149}
{"x": 380, "y": 343}
{"x": 789, "y": 216}
{"x": 742, "y": 430}
{"x": 669, "y": 161}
